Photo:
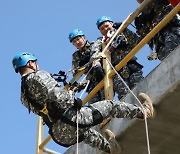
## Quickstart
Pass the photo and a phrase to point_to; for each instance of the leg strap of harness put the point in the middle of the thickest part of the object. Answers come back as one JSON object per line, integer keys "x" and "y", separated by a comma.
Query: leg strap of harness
{"x": 97, "y": 117}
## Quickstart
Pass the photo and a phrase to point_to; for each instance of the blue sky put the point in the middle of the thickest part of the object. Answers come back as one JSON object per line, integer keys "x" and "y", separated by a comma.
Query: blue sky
{"x": 42, "y": 27}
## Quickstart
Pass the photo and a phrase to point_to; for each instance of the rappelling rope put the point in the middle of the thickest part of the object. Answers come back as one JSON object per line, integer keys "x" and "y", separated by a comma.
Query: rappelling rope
{"x": 77, "y": 122}
{"x": 145, "y": 119}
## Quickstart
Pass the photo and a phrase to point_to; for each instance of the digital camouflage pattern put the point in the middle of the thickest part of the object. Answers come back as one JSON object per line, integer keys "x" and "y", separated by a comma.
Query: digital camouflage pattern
{"x": 132, "y": 72}
{"x": 168, "y": 38}
{"x": 82, "y": 57}
{"x": 41, "y": 87}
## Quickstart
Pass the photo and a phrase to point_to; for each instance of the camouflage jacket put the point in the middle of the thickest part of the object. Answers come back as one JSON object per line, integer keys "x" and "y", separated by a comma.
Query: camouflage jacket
{"x": 81, "y": 57}
{"x": 42, "y": 88}
{"x": 152, "y": 15}
{"x": 121, "y": 51}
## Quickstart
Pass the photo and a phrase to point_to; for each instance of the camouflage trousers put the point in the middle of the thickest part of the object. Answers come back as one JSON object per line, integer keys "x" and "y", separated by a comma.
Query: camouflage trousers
{"x": 99, "y": 96}
{"x": 64, "y": 133}
{"x": 119, "y": 87}
{"x": 95, "y": 77}
{"x": 131, "y": 82}
{"x": 167, "y": 41}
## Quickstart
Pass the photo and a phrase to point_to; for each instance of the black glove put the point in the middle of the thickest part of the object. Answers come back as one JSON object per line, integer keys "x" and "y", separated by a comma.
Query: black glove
{"x": 84, "y": 60}
{"x": 77, "y": 103}
{"x": 98, "y": 72}
{"x": 117, "y": 25}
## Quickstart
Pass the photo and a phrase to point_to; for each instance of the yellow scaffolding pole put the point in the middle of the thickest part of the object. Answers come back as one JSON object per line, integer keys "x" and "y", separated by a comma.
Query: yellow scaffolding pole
{"x": 39, "y": 135}
{"x": 152, "y": 33}
{"x": 108, "y": 83}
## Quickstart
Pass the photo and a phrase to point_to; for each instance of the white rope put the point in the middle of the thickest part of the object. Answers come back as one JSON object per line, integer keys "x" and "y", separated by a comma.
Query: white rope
{"x": 145, "y": 119}
{"x": 77, "y": 116}
{"x": 77, "y": 132}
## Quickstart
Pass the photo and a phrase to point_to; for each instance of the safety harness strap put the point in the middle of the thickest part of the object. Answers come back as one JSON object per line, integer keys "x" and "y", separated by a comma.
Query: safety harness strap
{"x": 97, "y": 117}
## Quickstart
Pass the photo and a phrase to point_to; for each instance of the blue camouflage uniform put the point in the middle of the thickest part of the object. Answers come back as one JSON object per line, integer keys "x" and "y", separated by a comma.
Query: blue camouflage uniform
{"x": 39, "y": 89}
{"x": 167, "y": 39}
{"x": 82, "y": 57}
{"x": 132, "y": 72}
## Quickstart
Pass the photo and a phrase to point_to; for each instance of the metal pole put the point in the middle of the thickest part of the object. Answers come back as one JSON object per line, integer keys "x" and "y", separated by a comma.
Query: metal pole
{"x": 50, "y": 151}
{"x": 40, "y": 132}
{"x": 108, "y": 83}
{"x": 41, "y": 146}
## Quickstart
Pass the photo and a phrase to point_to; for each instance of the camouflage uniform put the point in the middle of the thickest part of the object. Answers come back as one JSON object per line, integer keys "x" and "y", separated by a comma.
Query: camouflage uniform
{"x": 82, "y": 57}
{"x": 167, "y": 39}
{"x": 39, "y": 88}
{"x": 132, "y": 72}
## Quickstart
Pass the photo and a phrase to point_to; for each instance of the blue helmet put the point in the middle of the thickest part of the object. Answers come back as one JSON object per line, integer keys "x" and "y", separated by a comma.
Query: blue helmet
{"x": 103, "y": 19}
{"x": 21, "y": 59}
{"x": 75, "y": 33}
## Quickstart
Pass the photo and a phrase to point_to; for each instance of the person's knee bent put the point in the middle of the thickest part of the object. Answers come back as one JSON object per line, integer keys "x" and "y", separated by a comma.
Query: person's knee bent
{"x": 103, "y": 107}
